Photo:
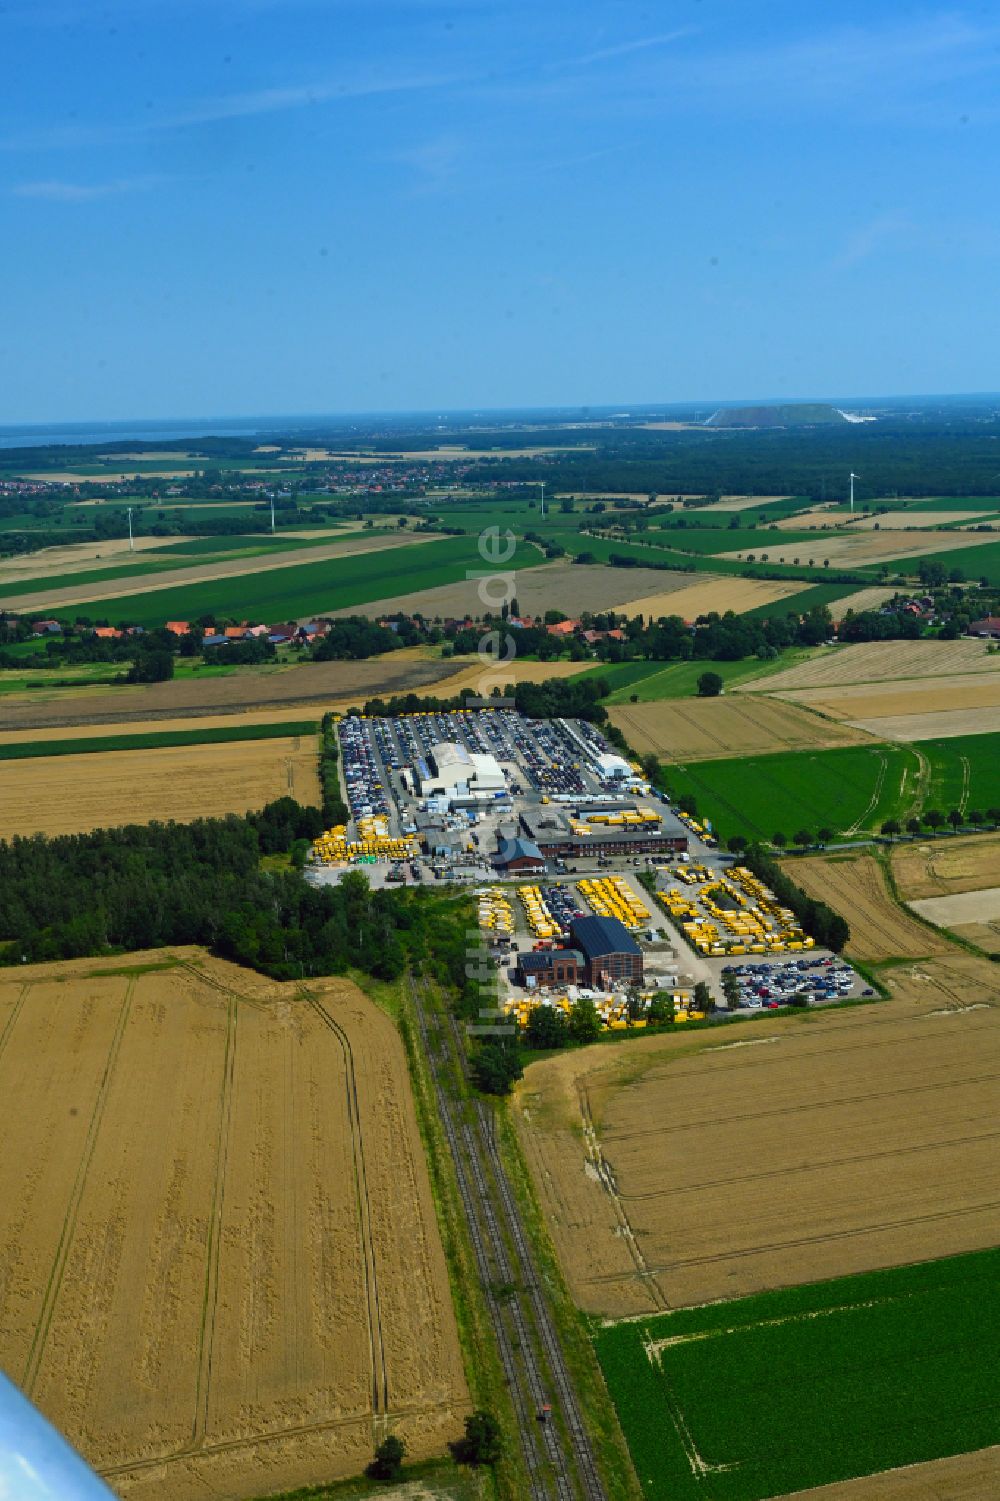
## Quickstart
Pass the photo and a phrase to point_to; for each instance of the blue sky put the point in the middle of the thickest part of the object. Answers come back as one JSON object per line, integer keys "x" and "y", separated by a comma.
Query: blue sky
{"x": 217, "y": 207}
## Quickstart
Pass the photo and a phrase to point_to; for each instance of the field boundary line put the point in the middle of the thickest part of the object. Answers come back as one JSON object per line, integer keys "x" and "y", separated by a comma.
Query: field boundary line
{"x": 380, "y": 1376}
{"x": 213, "y": 1246}
{"x": 33, "y": 1362}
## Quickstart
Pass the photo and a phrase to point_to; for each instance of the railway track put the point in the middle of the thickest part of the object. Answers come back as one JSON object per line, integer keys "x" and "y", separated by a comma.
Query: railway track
{"x": 558, "y": 1455}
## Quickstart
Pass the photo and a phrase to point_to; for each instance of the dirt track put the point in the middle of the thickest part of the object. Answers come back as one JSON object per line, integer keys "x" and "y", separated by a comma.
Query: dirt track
{"x": 221, "y": 1266}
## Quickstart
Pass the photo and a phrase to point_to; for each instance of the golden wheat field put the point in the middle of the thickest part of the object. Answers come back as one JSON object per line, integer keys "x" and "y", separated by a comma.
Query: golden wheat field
{"x": 220, "y": 1271}
{"x": 855, "y": 887}
{"x": 720, "y": 593}
{"x": 944, "y": 868}
{"x": 972, "y": 691}
{"x": 880, "y": 662}
{"x": 699, "y": 729}
{"x": 962, "y": 1477}
{"x": 691, "y": 1168}
{"x": 73, "y": 794}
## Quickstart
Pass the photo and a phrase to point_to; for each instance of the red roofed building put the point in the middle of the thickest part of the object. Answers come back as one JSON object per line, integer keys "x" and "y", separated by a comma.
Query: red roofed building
{"x": 988, "y": 627}
{"x": 563, "y": 628}
{"x": 108, "y": 632}
{"x": 178, "y": 627}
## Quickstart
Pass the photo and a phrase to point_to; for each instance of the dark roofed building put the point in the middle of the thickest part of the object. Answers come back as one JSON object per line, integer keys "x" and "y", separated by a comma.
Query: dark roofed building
{"x": 609, "y": 951}
{"x": 519, "y": 854}
{"x": 550, "y": 967}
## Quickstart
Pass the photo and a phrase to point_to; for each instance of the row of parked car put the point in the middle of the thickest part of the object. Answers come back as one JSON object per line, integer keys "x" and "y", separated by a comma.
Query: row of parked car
{"x": 769, "y": 985}
{"x": 549, "y": 755}
{"x": 362, "y": 776}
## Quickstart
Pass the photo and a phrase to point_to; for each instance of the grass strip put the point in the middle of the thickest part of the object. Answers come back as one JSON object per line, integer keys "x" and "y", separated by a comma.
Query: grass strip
{"x": 157, "y": 739}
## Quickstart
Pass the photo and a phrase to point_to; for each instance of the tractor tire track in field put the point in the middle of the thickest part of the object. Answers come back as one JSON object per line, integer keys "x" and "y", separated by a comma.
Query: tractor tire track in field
{"x": 58, "y": 1268}
{"x": 214, "y": 1244}
{"x": 605, "y": 1173}
{"x": 921, "y": 784}
{"x": 827, "y": 1236}
{"x": 874, "y": 799}
{"x": 376, "y": 1341}
{"x": 16, "y": 1010}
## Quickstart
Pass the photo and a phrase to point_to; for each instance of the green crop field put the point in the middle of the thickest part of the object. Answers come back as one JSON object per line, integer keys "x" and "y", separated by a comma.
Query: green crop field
{"x": 809, "y": 599}
{"x": 799, "y": 1388}
{"x": 982, "y": 561}
{"x": 680, "y": 679}
{"x": 92, "y": 745}
{"x": 307, "y": 588}
{"x": 852, "y": 790}
{"x": 941, "y": 503}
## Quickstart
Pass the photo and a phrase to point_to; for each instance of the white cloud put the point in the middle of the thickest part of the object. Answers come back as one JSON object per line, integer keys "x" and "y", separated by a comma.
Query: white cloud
{"x": 55, "y": 190}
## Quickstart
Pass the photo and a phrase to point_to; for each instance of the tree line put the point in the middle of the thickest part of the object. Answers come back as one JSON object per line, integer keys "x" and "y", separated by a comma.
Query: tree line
{"x": 152, "y": 885}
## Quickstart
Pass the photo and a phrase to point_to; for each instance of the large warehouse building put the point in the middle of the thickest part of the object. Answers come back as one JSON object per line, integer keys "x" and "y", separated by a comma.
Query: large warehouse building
{"x": 452, "y": 771}
{"x": 610, "y": 953}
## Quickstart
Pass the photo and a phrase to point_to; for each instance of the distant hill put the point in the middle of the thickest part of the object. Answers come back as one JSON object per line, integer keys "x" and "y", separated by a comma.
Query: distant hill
{"x": 794, "y": 414}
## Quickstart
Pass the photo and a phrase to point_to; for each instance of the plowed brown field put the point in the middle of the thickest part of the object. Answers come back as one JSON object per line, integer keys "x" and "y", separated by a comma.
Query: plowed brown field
{"x": 855, "y": 887}
{"x": 689, "y": 1168}
{"x": 698, "y": 729}
{"x": 220, "y": 1271}
{"x": 880, "y": 662}
{"x": 72, "y": 794}
{"x": 313, "y": 685}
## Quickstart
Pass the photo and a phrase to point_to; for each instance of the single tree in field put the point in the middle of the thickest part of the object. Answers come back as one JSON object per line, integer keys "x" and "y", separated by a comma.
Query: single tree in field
{"x": 388, "y": 1461}
{"x": 709, "y": 685}
{"x": 481, "y": 1443}
{"x": 737, "y": 844}
{"x": 803, "y": 839}
{"x": 650, "y": 766}
{"x": 955, "y": 818}
{"x": 976, "y": 816}
{"x": 779, "y": 840}
{"x": 913, "y": 824}
{"x": 891, "y": 827}
{"x": 824, "y": 835}
{"x": 934, "y": 818}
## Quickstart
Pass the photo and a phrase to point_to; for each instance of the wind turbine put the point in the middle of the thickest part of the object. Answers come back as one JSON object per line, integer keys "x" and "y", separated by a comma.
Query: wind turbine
{"x": 131, "y": 544}
{"x": 272, "y": 513}
{"x": 542, "y": 484}
{"x": 853, "y": 478}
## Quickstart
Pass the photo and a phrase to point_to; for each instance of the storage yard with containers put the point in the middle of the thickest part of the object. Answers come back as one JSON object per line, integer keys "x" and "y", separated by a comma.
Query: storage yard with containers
{"x": 552, "y": 828}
